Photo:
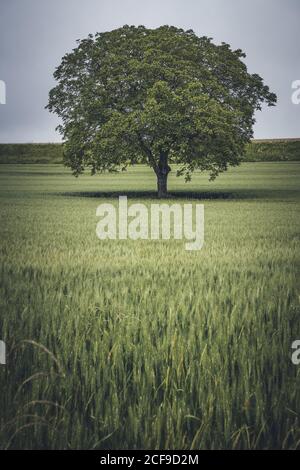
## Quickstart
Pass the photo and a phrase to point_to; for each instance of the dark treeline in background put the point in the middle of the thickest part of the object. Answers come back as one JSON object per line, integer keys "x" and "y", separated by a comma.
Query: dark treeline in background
{"x": 258, "y": 150}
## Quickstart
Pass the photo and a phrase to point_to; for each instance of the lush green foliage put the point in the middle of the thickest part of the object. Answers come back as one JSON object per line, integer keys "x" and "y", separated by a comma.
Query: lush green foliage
{"x": 148, "y": 345}
{"x": 273, "y": 150}
{"x": 31, "y": 153}
{"x": 156, "y": 96}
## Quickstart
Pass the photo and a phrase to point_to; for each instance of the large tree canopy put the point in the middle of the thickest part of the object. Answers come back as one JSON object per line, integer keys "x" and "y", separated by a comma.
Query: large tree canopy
{"x": 159, "y": 96}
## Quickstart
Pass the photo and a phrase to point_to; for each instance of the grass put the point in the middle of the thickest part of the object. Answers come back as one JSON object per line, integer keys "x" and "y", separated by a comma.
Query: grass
{"x": 141, "y": 344}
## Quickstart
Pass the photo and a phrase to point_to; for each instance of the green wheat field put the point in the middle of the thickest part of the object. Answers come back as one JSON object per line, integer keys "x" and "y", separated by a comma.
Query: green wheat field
{"x": 141, "y": 344}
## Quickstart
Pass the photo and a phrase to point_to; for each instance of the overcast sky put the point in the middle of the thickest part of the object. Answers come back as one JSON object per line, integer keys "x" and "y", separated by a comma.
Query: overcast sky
{"x": 35, "y": 34}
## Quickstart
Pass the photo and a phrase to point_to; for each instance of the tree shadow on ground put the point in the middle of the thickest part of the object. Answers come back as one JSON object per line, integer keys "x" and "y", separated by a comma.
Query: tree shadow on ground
{"x": 149, "y": 194}
{"x": 237, "y": 194}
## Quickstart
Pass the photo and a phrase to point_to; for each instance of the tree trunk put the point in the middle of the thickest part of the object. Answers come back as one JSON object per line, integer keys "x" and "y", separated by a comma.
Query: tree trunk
{"x": 162, "y": 172}
{"x": 162, "y": 190}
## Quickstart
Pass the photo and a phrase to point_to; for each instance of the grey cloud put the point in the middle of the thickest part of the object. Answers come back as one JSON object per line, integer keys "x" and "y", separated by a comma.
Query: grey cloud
{"x": 35, "y": 34}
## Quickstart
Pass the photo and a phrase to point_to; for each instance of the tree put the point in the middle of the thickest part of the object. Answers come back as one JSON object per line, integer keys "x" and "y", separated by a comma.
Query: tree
{"x": 158, "y": 96}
